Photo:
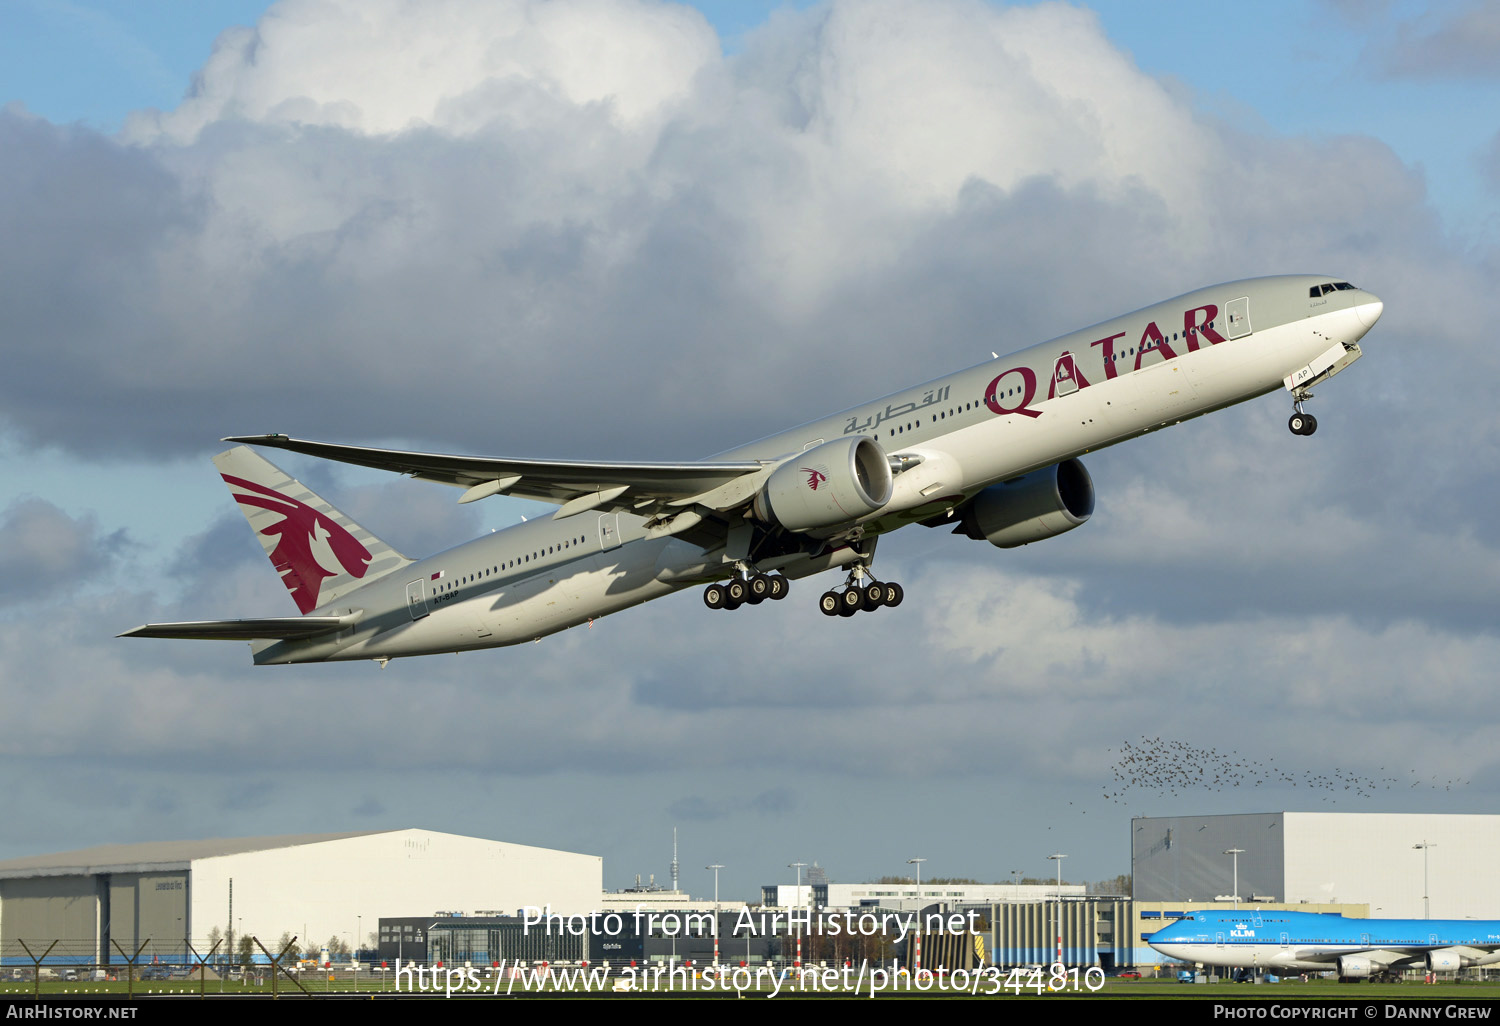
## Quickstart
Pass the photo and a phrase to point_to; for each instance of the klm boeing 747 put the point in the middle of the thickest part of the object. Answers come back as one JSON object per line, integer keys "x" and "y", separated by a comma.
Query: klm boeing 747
{"x": 1312, "y": 942}
{"x": 991, "y": 452}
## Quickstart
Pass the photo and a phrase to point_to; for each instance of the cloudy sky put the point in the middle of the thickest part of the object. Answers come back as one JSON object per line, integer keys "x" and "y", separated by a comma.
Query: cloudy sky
{"x": 620, "y": 229}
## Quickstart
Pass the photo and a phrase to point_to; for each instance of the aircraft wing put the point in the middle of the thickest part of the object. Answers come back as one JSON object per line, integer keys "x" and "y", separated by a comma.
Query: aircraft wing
{"x": 272, "y": 627}
{"x": 575, "y": 486}
{"x": 1405, "y": 956}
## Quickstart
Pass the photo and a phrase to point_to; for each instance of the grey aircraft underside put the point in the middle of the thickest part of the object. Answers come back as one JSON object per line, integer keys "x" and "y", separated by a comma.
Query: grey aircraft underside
{"x": 991, "y": 451}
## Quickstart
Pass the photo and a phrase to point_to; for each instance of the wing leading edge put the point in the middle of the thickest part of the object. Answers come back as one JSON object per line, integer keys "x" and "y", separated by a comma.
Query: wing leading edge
{"x": 575, "y": 486}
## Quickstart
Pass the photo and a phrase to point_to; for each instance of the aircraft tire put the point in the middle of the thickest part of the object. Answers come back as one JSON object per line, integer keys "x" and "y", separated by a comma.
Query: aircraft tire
{"x": 760, "y": 589}
{"x": 713, "y": 596}
{"x": 829, "y": 603}
{"x": 1298, "y": 424}
{"x": 850, "y": 601}
{"x": 779, "y": 587}
{"x": 1312, "y": 424}
{"x": 735, "y": 593}
{"x": 874, "y": 597}
{"x": 893, "y": 595}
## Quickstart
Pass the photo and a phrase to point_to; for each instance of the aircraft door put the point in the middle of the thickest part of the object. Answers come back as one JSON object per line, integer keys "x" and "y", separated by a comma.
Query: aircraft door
{"x": 416, "y": 599}
{"x": 609, "y": 531}
{"x": 1064, "y": 375}
{"x": 1238, "y": 312}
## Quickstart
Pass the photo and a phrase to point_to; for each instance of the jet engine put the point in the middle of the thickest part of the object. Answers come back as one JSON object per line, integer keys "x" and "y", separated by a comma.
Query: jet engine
{"x": 827, "y": 486}
{"x": 1447, "y": 960}
{"x": 1358, "y": 966}
{"x": 1039, "y": 505}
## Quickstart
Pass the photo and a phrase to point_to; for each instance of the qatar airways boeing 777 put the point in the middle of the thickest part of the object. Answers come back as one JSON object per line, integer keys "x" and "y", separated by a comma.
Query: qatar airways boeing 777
{"x": 991, "y": 451}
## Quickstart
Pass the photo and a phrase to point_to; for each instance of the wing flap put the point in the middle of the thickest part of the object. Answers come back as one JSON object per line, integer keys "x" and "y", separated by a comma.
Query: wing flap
{"x": 267, "y": 627}
{"x": 626, "y": 485}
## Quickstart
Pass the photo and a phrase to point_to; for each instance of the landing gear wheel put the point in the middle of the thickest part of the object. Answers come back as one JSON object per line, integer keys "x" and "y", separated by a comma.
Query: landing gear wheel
{"x": 893, "y": 595}
{"x": 735, "y": 593}
{"x": 829, "y": 603}
{"x": 1298, "y": 424}
{"x": 1312, "y": 424}
{"x": 713, "y": 596}
{"x": 779, "y": 588}
{"x": 873, "y": 597}
{"x": 850, "y": 601}
{"x": 759, "y": 587}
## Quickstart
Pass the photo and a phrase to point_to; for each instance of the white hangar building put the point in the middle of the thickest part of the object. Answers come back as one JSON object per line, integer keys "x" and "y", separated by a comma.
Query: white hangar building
{"x": 1390, "y": 861}
{"x": 313, "y": 886}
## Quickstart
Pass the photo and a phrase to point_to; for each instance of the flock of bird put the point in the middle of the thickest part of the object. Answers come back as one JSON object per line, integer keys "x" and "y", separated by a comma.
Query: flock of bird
{"x": 1159, "y": 767}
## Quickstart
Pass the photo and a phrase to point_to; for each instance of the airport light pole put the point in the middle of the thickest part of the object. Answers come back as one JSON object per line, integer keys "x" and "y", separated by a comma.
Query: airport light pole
{"x": 1235, "y": 853}
{"x": 716, "y": 867}
{"x": 798, "y": 899}
{"x": 1426, "y": 901}
{"x": 917, "y": 937}
{"x": 230, "y": 960}
{"x": 1057, "y": 914}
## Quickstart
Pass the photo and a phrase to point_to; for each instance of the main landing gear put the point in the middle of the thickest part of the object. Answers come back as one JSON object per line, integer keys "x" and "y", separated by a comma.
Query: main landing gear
{"x": 860, "y": 595}
{"x": 1302, "y": 423}
{"x": 750, "y": 589}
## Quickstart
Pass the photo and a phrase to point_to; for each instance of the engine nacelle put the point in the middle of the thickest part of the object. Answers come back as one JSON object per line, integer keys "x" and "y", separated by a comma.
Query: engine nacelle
{"x": 1358, "y": 966}
{"x": 826, "y": 486}
{"x": 1447, "y": 960}
{"x": 1043, "y": 504}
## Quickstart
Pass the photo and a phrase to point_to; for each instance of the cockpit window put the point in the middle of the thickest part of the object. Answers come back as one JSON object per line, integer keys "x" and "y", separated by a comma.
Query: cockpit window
{"x": 1329, "y": 286}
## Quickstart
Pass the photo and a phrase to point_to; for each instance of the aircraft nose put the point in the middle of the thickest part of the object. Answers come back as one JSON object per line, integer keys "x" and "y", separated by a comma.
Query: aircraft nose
{"x": 1369, "y": 311}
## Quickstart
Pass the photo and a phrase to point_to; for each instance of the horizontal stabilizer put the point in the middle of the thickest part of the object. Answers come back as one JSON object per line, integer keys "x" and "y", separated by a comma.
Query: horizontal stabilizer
{"x": 266, "y": 627}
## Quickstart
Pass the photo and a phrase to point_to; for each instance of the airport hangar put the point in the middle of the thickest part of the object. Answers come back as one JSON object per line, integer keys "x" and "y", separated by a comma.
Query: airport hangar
{"x": 1388, "y": 861}
{"x": 312, "y": 886}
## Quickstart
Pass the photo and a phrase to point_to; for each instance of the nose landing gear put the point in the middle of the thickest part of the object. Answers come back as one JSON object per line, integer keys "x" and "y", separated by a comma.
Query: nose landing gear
{"x": 1302, "y": 423}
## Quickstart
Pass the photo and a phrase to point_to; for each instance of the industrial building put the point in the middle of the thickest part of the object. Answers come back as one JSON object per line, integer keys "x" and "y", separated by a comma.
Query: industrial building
{"x": 1402, "y": 865}
{"x": 909, "y": 895}
{"x": 167, "y": 895}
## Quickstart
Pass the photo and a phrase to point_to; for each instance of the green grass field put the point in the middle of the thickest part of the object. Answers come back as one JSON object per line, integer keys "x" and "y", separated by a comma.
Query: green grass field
{"x": 341, "y": 984}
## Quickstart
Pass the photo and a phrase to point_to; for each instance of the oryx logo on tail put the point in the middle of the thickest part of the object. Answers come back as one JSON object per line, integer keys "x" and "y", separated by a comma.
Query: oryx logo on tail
{"x": 310, "y": 546}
